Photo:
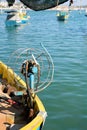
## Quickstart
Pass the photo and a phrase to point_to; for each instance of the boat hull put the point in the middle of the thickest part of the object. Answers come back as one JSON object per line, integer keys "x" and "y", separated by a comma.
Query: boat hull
{"x": 13, "y": 23}
{"x": 7, "y": 74}
{"x": 62, "y": 16}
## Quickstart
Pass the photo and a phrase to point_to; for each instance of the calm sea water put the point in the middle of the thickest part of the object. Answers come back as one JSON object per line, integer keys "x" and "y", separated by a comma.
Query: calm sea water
{"x": 65, "y": 99}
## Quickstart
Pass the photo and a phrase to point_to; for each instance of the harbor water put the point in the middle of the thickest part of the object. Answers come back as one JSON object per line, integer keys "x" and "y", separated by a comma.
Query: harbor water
{"x": 65, "y": 99}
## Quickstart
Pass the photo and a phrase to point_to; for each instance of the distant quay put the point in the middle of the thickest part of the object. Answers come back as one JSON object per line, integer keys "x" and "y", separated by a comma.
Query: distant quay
{"x": 61, "y": 7}
{"x": 18, "y": 5}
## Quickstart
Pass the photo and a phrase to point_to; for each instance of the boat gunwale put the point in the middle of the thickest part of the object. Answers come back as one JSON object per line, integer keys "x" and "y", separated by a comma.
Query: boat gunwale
{"x": 40, "y": 117}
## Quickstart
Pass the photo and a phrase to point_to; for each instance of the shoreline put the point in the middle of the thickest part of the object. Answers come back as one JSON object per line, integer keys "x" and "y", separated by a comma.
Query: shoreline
{"x": 60, "y": 7}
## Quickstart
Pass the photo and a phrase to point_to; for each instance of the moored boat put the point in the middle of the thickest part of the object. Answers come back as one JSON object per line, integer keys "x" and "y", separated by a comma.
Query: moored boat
{"x": 1, "y": 11}
{"x": 62, "y": 15}
{"x": 86, "y": 12}
{"x": 16, "y": 18}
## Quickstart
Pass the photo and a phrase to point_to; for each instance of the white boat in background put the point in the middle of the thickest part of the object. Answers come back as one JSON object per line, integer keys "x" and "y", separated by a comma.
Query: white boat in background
{"x": 86, "y": 12}
{"x": 15, "y": 18}
{"x": 1, "y": 11}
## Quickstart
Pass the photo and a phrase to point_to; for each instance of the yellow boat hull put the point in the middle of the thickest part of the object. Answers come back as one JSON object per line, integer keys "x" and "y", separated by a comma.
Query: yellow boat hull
{"x": 38, "y": 121}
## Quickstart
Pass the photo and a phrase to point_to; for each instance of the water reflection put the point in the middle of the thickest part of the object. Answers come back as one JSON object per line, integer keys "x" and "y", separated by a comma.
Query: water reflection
{"x": 15, "y": 28}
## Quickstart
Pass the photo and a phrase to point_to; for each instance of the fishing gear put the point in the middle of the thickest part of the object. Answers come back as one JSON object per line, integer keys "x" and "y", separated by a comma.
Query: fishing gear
{"x": 28, "y": 70}
{"x": 37, "y": 70}
{"x": 30, "y": 60}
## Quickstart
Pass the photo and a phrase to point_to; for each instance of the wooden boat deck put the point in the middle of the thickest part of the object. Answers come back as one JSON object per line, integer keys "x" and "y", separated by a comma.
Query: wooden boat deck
{"x": 10, "y": 113}
{"x": 17, "y": 113}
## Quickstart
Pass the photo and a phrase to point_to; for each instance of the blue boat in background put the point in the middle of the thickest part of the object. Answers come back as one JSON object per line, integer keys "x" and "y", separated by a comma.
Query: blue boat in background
{"x": 62, "y": 15}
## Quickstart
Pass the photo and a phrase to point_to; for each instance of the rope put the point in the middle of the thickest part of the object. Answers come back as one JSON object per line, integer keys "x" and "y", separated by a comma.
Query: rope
{"x": 28, "y": 88}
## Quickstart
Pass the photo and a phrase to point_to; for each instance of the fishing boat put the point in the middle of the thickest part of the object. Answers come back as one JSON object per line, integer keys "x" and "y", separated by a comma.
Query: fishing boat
{"x": 1, "y": 11}
{"x": 16, "y": 18}
{"x": 86, "y": 12}
{"x": 20, "y": 107}
{"x": 62, "y": 15}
